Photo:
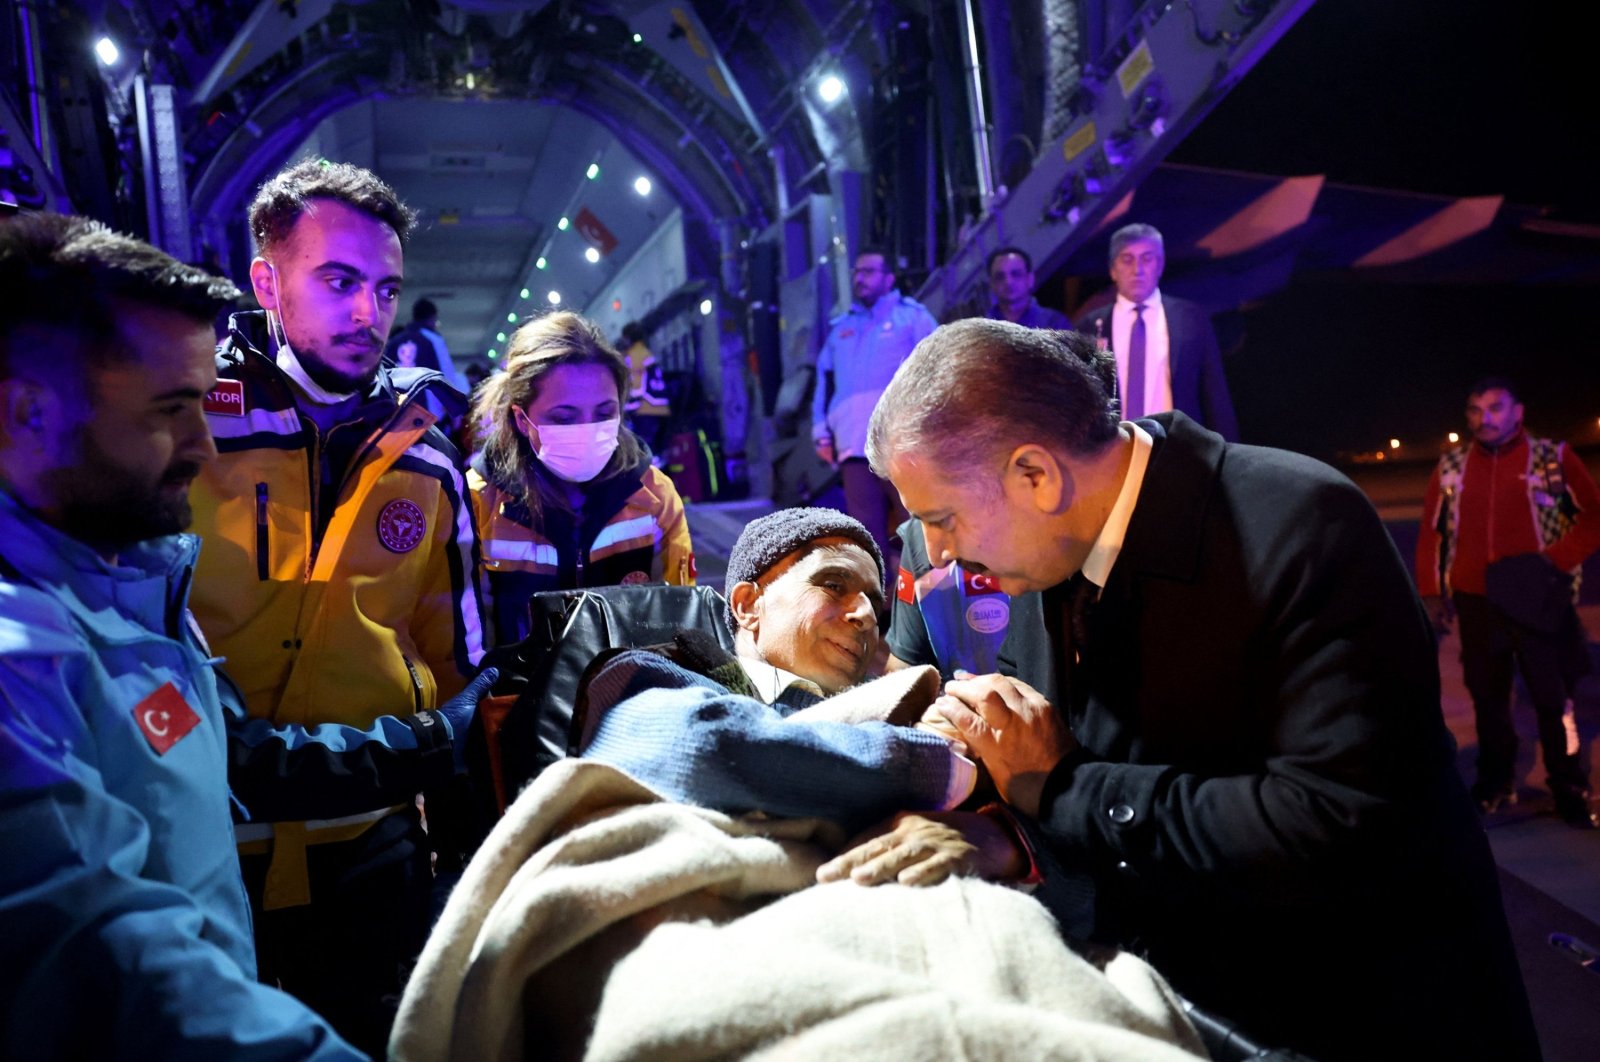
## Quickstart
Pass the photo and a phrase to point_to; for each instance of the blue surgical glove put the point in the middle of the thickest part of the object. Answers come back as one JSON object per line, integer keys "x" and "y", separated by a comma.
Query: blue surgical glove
{"x": 457, "y": 712}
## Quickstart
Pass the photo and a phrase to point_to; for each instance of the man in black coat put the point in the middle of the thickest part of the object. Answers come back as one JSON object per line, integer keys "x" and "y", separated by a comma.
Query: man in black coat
{"x": 1249, "y": 758}
{"x": 1181, "y": 365}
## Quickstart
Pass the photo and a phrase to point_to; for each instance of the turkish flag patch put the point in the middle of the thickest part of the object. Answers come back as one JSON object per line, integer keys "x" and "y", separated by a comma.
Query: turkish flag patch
{"x": 164, "y": 718}
{"x": 978, "y": 584}
{"x": 905, "y": 588}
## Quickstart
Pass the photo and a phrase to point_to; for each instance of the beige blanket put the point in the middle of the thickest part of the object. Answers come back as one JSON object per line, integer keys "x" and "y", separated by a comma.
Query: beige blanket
{"x": 600, "y": 922}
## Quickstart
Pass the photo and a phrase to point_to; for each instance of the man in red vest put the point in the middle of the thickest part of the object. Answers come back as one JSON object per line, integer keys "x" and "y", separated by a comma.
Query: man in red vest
{"x": 1507, "y": 522}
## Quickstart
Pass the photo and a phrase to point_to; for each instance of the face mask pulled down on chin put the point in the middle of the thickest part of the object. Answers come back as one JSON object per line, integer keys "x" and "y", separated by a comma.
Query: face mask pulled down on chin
{"x": 578, "y": 452}
{"x": 324, "y": 392}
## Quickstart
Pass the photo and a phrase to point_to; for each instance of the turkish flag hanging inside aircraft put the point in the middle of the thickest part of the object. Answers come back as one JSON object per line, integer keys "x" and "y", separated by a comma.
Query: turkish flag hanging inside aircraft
{"x": 594, "y": 230}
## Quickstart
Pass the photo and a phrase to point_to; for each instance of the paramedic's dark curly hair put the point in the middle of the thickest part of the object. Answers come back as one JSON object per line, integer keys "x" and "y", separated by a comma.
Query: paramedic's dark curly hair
{"x": 281, "y": 201}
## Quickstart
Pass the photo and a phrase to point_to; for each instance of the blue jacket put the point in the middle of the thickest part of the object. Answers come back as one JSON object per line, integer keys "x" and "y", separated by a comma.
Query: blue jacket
{"x": 690, "y": 739}
{"x": 864, "y": 348}
{"x": 1035, "y": 316}
{"x": 124, "y": 922}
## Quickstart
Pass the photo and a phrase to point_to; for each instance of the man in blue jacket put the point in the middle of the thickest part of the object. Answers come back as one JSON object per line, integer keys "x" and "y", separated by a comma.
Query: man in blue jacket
{"x": 865, "y": 345}
{"x": 126, "y": 928}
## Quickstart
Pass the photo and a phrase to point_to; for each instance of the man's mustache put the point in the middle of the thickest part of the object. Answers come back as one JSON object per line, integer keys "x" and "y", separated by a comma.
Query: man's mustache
{"x": 182, "y": 472}
{"x": 365, "y": 337}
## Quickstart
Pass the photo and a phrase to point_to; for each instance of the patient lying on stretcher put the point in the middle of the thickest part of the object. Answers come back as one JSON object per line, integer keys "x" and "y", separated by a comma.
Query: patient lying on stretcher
{"x": 631, "y": 905}
{"x": 786, "y": 728}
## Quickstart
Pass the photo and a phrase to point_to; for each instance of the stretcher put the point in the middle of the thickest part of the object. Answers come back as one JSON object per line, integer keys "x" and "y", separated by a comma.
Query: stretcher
{"x": 527, "y": 726}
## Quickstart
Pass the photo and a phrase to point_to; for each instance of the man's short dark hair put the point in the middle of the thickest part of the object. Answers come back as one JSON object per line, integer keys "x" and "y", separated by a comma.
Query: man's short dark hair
{"x": 62, "y": 277}
{"x": 1496, "y": 383}
{"x": 872, "y": 248}
{"x": 975, "y": 389}
{"x": 424, "y": 310}
{"x": 633, "y": 332}
{"x": 281, "y": 201}
{"x": 1001, "y": 252}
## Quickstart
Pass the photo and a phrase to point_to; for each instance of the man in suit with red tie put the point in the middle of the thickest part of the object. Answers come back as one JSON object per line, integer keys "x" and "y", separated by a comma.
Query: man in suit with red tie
{"x": 1167, "y": 355}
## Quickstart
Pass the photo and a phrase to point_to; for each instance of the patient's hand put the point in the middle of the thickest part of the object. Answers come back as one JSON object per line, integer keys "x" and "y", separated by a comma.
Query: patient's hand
{"x": 924, "y": 848}
{"x": 934, "y": 722}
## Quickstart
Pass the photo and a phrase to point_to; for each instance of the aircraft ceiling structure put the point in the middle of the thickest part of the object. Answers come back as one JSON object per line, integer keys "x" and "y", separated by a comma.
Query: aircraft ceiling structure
{"x": 954, "y": 127}
{"x": 487, "y": 115}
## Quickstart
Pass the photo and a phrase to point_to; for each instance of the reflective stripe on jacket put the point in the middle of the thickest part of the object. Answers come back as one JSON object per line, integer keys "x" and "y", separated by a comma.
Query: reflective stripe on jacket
{"x": 632, "y": 530}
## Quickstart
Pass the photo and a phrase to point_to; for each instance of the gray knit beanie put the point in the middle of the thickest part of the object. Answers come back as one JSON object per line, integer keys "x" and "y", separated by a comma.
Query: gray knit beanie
{"x": 768, "y": 539}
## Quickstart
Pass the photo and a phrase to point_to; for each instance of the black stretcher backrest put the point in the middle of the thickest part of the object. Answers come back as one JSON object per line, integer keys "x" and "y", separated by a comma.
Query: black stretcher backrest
{"x": 568, "y": 629}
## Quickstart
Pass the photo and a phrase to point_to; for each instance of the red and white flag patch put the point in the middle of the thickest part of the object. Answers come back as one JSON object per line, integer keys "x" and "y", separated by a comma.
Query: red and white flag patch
{"x": 164, "y": 718}
{"x": 973, "y": 583}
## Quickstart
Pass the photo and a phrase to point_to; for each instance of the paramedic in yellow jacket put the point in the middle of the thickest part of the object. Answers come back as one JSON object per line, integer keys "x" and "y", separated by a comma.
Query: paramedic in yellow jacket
{"x": 565, "y": 495}
{"x": 337, "y": 577}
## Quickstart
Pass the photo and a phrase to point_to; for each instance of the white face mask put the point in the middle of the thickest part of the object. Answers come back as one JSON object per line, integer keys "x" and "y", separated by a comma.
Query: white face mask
{"x": 286, "y": 357}
{"x": 578, "y": 452}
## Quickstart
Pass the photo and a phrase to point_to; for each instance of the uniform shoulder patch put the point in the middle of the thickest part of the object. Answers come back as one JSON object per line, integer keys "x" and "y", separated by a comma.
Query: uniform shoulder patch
{"x": 226, "y": 399}
{"x": 164, "y": 718}
{"x": 401, "y": 526}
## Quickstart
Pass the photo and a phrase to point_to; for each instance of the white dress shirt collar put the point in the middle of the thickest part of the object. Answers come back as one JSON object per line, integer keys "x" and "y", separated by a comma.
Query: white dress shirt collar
{"x": 1126, "y": 305}
{"x": 1097, "y": 568}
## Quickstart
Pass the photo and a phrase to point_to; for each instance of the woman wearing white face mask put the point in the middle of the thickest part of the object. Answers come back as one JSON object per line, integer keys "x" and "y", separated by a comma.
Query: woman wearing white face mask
{"x": 565, "y": 496}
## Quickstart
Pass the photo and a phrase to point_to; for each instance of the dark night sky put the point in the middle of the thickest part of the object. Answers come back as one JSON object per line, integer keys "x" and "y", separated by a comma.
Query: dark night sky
{"x": 1426, "y": 96}
{"x": 1452, "y": 98}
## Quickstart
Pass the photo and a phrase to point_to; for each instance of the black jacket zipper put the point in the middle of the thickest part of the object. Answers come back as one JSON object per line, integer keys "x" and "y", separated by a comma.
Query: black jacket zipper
{"x": 261, "y": 532}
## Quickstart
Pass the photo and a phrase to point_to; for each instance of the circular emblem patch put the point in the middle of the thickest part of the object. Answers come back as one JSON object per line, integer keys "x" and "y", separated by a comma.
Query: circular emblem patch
{"x": 635, "y": 579}
{"x": 401, "y": 526}
{"x": 988, "y": 615}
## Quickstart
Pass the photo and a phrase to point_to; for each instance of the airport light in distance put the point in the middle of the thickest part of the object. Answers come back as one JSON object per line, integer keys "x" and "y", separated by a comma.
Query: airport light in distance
{"x": 705, "y": 307}
{"x": 106, "y": 49}
{"x": 592, "y": 254}
{"x": 555, "y": 298}
{"x": 642, "y": 186}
